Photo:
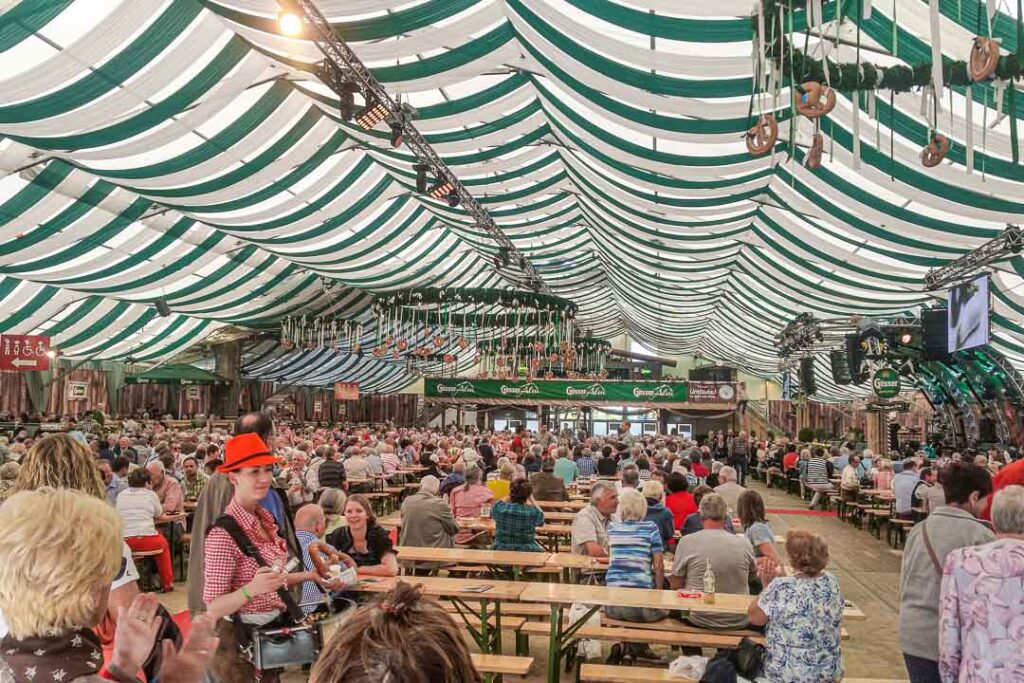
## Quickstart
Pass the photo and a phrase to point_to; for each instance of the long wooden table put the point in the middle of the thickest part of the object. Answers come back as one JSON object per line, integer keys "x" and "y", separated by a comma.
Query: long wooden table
{"x": 487, "y": 638}
{"x": 596, "y": 597}
{"x": 494, "y": 560}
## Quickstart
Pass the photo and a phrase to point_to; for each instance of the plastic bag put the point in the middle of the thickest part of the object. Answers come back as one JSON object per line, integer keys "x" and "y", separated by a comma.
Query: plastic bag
{"x": 691, "y": 667}
{"x": 586, "y": 648}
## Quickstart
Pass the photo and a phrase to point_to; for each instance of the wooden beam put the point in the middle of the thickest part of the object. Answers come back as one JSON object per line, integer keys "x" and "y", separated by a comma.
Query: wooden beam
{"x": 629, "y": 355}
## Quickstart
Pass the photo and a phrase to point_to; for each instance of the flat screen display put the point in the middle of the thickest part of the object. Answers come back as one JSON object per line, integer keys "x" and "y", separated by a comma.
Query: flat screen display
{"x": 968, "y": 321}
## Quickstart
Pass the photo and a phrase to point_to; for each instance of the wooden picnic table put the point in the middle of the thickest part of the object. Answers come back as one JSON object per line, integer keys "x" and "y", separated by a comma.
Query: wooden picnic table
{"x": 486, "y": 636}
{"x": 561, "y": 504}
{"x": 494, "y": 560}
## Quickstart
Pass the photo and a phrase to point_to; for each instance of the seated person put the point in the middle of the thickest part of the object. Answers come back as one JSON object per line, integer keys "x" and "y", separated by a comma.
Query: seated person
{"x": 693, "y": 522}
{"x": 516, "y": 519}
{"x": 732, "y": 563}
{"x": 400, "y": 636}
{"x": 427, "y": 521}
{"x": 140, "y": 509}
{"x": 546, "y": 484}
{"x": 365, "y": 541}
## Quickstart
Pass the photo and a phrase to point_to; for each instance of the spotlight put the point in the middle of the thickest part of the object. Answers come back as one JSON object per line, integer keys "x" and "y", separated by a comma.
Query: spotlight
{"x": 372, "y": 114}
{"x": 906, "y": 338}
{"x": 290, "y": 24}
{"x": 421, "y": 177}
{"x": 453, "y": 198}
{"x": 348, "y": 100}
{"x": 396, "y": 135}
{"x": 440, "y": 190}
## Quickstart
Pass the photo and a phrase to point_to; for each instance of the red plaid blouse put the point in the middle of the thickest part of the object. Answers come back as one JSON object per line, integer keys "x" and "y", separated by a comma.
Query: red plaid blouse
{"x": 228, "y": 569}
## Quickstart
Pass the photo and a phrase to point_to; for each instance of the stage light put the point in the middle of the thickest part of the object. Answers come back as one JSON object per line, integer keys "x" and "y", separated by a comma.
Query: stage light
{"x": 453, "y": 198}
{"x": 421, "y": 177}
{"x": 372, "y": 114}
{"x": 396, "y": 135}
{"x": 290, "y": 24}
{"x": 906, "y": 338}
{"x": 440, "y": 190}
{"x": 348, "y": 100}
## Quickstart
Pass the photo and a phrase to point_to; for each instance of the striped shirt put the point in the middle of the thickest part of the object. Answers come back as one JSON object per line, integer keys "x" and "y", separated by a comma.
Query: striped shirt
{"x": 817, "y": 471}
{"x": 631, "y": 547}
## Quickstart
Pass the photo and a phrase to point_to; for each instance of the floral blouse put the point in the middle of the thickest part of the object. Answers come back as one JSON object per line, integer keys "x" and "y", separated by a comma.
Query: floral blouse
{"x": 981, "y": 614}
{"x": 802, "y": 639}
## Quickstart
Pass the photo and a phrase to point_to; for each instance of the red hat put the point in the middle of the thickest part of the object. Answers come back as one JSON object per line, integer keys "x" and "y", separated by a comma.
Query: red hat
{"x": 247, "y": 450}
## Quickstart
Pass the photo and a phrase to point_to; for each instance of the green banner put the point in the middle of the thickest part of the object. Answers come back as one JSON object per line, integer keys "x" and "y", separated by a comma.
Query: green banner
{"x": 558, "y": 390}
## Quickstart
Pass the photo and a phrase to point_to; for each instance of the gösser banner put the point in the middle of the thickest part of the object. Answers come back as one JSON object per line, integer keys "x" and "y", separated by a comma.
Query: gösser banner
{"x": 558, "y": 390}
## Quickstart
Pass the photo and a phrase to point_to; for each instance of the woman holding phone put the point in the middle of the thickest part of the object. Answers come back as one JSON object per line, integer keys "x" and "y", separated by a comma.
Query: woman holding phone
{"x": 234, "y": 582}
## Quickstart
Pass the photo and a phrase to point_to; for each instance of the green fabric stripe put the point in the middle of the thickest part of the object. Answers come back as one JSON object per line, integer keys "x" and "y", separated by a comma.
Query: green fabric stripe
{"x": 101, "y": 326}
{"x": 198, "y": 333}
{"x": 81, "y": 310}
{"x": 73, "y": 212}
{"x": 122, "y": 332}
{"x": 225, "y": 61}
{"x": 53, "y": 175}
{"x": 661, "y": 26}
{"x": 25, "y": 18}
{"x": 144, "y": 48}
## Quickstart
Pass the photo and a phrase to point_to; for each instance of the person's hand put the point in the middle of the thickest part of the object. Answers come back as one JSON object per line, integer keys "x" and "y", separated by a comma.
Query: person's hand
{"x": 767, "y": 569}
{"x": 136, "y": 631}
{"x": 266, "y": 580}
{"x": 188, "y": 664}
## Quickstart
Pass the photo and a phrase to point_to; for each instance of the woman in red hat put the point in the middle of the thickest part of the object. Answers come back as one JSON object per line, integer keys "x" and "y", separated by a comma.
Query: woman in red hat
{"x": 235, "y": 583}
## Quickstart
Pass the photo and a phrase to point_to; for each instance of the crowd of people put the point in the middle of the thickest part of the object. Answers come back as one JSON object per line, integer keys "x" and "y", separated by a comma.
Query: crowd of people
{"x": 259, "y": 496}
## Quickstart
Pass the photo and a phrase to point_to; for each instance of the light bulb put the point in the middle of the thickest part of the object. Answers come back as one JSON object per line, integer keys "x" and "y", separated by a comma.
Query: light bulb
{"x": 289, "y": 23}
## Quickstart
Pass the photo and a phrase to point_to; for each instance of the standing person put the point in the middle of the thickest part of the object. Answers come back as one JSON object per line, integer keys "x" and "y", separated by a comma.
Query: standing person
{"x": 739, "y": 454}
{"x": 954, "y": 525}
{"x": 236, "y": 583}
{"x": 140, "y": 509}
{"x": 516, "y": 519}
{"x": 427, "y": 521}
{"x": 732, "y": 563}
{"x": 980, "y": 635}
{"x": 803, "y": 613}
{"x": 903, "y": 486}
{"x": 636, "y": 560}
{"x": 364, "y": 540}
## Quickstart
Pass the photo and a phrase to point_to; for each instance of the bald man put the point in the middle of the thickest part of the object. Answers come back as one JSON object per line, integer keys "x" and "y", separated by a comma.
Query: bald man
{"x": 167, "y": 488}
{"x": 310, "y": 523}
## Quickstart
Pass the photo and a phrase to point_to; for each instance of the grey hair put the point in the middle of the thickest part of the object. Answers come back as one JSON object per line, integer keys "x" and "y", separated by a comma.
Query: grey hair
{"x": 713, "y": 507}
{"x": 632, "y": 505}
{"x": 599, "y": 488}
{"x": 430, "y": 484}
{"x": 1008, "y": 510}
{"x": 630, "y": 475}
{"x": 333, "y": 501}
{"x": 727, "y": 474}
{"x": 473, "y": 473}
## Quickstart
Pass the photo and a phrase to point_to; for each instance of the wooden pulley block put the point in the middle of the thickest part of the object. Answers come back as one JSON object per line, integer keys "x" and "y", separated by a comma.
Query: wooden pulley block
{"x": 935, "y": 151}
{"x": 813, "y": 100}
{"x": 762, "y": 136}
{"x": 814, "y": 153}
{"x": 984, "y": 58}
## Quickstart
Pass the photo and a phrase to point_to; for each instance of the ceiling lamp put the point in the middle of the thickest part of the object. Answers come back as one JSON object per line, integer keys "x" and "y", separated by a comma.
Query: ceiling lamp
{"x": 372, "y": 114}
{"x": 453, "y": 198}
{"x": 290, "y": 24}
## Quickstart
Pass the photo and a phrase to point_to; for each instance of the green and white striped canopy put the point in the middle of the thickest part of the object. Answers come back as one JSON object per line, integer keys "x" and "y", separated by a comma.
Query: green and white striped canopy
{"x": 182, "y": 149}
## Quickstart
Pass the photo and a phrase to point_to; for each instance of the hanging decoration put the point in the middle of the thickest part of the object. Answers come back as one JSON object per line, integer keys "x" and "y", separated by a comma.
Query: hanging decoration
{"x": 813, "y": 158}
{"x": 762, "y": 136}
{"x": 814, "y": 100}
{"x": 582, "y": 357}
{"x": 425, "y": 326}
{"x": 984, "y": 58}
{"x": 935, "y": 151}
{"x": 310, "y": 332}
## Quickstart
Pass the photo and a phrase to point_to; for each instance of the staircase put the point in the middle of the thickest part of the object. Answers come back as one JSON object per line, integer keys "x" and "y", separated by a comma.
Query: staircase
{"x": 757, "y": 413}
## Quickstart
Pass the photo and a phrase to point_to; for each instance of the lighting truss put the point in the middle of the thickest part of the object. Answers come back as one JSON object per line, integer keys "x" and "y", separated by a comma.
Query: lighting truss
{"x": 342, "y": 65}
{"x": 1010, "y": 241}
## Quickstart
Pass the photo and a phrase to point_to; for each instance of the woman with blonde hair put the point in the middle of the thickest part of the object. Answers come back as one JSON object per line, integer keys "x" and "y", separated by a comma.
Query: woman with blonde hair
{"x": 54, "y": 586}
{"x": 333, "y": 501}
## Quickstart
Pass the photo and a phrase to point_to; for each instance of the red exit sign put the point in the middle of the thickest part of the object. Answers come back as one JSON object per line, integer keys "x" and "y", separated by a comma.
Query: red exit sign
{"x": 24, "y": 352}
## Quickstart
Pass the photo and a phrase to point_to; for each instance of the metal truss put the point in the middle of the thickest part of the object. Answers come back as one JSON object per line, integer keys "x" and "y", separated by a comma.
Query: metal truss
{"x": 1010, "y": 241}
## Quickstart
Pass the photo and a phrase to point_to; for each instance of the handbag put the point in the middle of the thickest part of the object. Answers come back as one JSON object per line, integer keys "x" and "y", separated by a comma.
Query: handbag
{"x": 277, "y": 645}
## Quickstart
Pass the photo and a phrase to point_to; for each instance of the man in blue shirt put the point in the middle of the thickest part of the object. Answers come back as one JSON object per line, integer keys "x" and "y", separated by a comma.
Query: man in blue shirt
{"x": 586, "y": 464}
{"x": 565, "y": 467}
{"x": 903, "y": 485}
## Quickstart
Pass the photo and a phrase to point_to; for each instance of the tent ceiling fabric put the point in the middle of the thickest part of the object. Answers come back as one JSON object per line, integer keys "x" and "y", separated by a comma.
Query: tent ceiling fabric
{"x": 184, "y": 150}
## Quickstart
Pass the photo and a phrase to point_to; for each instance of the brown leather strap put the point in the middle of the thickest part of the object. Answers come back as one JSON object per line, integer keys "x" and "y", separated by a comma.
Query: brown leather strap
{"x": 931, "y": 550}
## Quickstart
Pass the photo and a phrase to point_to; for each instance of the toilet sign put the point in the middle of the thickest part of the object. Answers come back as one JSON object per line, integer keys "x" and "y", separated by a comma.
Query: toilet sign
{"x": 24, "y": 352}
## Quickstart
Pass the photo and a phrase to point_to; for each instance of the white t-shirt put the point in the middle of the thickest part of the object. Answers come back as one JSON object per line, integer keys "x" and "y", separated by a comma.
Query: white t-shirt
{"x": 127, "y": 575}
{"x": 138, "y": 507}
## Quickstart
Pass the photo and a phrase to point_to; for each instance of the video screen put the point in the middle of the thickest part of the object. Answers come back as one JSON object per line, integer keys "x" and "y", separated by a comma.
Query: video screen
{"x": 968, "y": 321}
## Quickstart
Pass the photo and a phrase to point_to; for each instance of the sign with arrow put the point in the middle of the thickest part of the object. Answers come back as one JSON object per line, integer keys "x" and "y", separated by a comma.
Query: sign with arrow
{"x": 24, "y": 352}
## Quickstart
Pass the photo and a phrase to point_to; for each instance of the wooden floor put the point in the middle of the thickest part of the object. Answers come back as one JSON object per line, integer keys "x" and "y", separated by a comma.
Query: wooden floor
{"x": 867, "y": 569}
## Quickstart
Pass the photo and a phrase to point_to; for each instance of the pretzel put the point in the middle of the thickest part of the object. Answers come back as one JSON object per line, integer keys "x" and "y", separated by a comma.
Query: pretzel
{"x": 814, "y": 153}
{"x": 323, "y": 556}
{"x": 984, "y": 58}
{"x": 935, "y": 151}
{"x": 808, "y": 99}
{"x": 762, "y": 136}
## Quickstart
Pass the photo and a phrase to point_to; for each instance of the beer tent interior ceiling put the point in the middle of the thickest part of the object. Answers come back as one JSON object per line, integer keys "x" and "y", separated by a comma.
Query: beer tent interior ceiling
{"x": 184, "y": 149}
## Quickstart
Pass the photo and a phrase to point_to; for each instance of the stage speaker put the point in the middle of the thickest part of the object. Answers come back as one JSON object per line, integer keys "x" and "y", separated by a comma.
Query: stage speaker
{"x": 161, "y": 307}
{"x": 854, "y": 359}
{"x": 934, "y": 334}
{"x": 807, "y": 376}
{"x": 840, "y": 368}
